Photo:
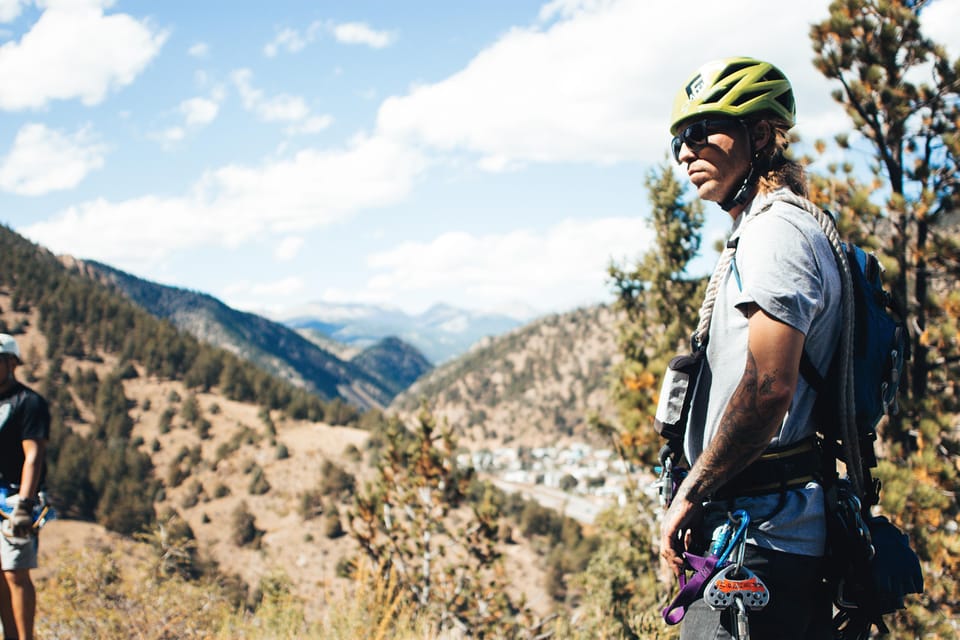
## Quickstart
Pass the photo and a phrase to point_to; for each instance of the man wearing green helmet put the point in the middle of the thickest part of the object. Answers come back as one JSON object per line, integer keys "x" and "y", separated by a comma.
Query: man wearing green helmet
{"x": 751, "y": 432}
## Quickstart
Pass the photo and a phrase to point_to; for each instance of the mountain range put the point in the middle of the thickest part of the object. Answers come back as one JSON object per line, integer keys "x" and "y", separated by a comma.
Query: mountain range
{"x": 500, "y": 383}
{"x": 368, "y": 377}
{"x": 441, "y": 332}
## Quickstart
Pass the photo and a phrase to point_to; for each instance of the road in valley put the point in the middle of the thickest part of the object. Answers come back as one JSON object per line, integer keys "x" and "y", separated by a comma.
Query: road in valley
{"x": 583, "y": 509}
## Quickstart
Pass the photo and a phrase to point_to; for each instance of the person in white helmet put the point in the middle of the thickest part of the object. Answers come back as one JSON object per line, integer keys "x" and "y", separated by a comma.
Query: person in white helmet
{"x": 24, "y": 431}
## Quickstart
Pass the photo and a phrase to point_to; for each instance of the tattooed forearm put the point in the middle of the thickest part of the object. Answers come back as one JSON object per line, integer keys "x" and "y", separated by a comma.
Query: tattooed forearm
{"x": 753, "y": 415}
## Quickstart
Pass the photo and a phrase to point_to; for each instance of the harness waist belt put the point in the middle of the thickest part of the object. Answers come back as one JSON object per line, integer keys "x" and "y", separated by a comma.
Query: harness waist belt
{"x": 776, "y": 470}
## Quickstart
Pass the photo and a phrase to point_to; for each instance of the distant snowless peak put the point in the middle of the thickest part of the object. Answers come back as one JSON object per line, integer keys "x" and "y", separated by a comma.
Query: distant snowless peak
{"x": 327, "y": 311}
{"x": 352, "y": 311}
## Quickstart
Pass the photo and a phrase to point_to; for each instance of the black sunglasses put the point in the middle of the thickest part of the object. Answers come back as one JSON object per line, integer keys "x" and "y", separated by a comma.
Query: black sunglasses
{"x": 695, "y": 135}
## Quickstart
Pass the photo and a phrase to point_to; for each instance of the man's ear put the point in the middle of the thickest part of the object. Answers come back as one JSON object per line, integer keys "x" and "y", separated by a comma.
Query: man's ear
{"x": 762, "y": 133}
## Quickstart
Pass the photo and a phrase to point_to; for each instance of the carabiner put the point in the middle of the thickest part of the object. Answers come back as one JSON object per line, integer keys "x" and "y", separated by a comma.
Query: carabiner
{"x": 741, "y": 519}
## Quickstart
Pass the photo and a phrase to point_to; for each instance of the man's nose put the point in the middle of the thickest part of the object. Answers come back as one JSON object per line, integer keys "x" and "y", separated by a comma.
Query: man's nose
{"x": 686, "y": 154}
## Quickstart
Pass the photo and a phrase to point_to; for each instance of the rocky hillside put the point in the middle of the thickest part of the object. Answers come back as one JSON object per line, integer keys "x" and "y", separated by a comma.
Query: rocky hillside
{"x": 536, "y": 384}
{"x": 371, "y": 380}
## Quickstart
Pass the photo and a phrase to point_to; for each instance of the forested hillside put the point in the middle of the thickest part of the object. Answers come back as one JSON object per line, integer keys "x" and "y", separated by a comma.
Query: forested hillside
{"x": 372, "y": 380}
{"x": 81, "y": 342}
{"x": 533, "y": 385}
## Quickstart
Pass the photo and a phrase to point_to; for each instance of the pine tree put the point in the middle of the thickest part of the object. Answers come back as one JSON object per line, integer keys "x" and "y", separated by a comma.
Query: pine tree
{"x": 874, "y": 49}
{"x": 659, "y": 301}
{"x": 452, "y": 576}
{"x": 902, "y": 93}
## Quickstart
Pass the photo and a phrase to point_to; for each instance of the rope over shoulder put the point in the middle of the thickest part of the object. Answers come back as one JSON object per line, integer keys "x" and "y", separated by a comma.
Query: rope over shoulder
{"x": 848, "y": 425}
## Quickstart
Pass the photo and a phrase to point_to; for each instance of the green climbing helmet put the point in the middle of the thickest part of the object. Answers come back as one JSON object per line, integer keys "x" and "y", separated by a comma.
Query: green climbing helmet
{"x": 734, "y": 87}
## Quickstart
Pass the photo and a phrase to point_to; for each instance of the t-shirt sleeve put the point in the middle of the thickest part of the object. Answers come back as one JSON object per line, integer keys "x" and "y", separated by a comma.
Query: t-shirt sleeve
{"x": 36, "y": 418}
{"x": 777, "y": 270}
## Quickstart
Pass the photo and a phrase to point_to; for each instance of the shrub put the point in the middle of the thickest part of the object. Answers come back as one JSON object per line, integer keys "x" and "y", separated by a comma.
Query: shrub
{"x": 192, "y": 495}
{"x": 336, "y": 482}
{"x": 166, "y": 419}
{"x": 244, "y": 529}
{"x": 352, "y": 454}
{"x": 203, "y": 428}
{"x": 311, "y": 504}
{"x": 332, "y": 528}
{"x": 258, "y": 483}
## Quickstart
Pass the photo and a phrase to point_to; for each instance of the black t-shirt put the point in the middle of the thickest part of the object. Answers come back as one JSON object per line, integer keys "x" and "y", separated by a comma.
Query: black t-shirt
{"x": 24, "y": 415}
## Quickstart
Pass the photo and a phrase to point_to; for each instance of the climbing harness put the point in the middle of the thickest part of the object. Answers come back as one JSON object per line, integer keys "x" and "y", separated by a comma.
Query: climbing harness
{"x": 725, "y": 583}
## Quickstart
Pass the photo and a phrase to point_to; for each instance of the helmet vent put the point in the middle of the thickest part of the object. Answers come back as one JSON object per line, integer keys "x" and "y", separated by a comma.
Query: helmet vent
{"x": 786, "y": 99}
{"x": 737, "y": 66}
{"x": 747, "y": 96}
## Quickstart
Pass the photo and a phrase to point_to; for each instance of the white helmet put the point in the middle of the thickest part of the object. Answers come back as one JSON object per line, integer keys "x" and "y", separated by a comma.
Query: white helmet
{"x": 9, "y": 345}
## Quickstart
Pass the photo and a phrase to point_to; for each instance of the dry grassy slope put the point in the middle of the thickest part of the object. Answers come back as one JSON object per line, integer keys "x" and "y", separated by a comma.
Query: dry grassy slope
{"x": 290, "y": 545}
{"x": 534, "y": 385}
{"x": 310, "y": 565}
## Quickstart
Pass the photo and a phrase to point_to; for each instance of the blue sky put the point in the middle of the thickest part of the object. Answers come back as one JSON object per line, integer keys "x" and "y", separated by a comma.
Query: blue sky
{"x": 487, "y": 154}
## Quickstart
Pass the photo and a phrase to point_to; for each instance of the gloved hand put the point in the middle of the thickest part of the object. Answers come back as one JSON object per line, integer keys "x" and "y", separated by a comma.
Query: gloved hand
{"x": 21, "y": 519}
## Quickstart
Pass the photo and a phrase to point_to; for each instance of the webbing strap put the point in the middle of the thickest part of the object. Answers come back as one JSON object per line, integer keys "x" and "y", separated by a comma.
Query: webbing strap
{"x": 703, "y": 570}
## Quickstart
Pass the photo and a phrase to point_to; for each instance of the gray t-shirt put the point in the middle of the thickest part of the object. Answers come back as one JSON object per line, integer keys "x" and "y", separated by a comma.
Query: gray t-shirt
{"x": 785, "y": 265}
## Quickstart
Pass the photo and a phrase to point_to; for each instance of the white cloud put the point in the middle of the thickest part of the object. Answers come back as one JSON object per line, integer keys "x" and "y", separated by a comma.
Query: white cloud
{"x": 199, "y": 111}
{"x": 561, "y": 267}
{"x": 279, "y": 108}
{"x": 196, "y": 112}
{"x": 941, "y": 23}
{"x": 362, "y": 33}
{"x": 170, "y": 136}
{"x": 75, "y": 4}
{"x": 10, "y": 9}
{"x": 199, "y": 50}
{"x": 288, "y": 249}
{"x": 568, "y": 8}
{"x": 44, "y": 160}
{"x": 288, "y": 39}
{"x": 236, "y": 204}
{"x": 74, "y": 51}
{"x": 284, "y": 287}
{"x": 313, "y": 124}
{"x": 291, "y": 40}
{"x": 596, "y": 84}
{"x": 283, "y": 108}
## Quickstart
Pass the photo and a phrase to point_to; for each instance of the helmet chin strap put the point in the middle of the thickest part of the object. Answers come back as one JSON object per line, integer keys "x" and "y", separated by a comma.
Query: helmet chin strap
{"x": 741, "y": 195}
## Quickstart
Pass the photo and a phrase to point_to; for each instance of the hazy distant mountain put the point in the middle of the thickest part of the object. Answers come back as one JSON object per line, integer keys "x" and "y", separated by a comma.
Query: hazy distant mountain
{"x": 536, "y": 384}
{"x": 440, "y": 333}
{"x": 369, "y": 380}
{"x": 395, "y": 364}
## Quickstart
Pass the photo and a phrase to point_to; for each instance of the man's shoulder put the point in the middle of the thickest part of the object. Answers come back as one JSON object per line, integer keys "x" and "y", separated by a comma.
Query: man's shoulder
{"x": 23, "y": 396}
{"x": 779, "y": 216}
